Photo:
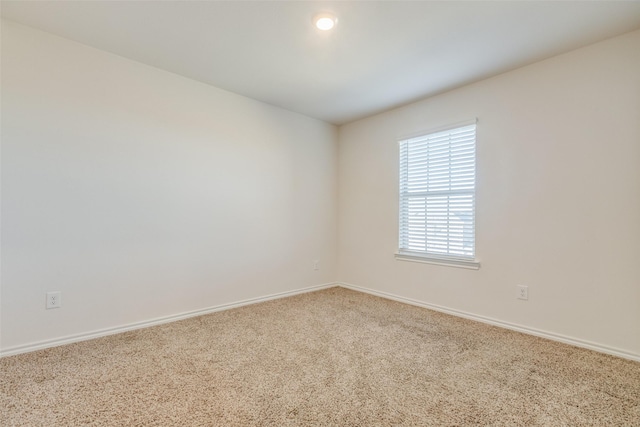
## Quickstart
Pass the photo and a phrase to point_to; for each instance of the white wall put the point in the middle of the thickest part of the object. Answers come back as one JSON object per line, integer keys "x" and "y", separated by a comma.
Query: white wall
{"x": 141, "y": 194}
{"x": 558, "y": 197}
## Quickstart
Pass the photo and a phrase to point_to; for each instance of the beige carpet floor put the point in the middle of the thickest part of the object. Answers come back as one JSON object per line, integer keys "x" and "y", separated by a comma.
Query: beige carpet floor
{"x": 328, "y": 358}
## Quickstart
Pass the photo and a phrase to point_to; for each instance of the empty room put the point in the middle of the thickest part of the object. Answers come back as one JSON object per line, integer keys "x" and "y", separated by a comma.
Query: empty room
{"x": 320, "y": 213}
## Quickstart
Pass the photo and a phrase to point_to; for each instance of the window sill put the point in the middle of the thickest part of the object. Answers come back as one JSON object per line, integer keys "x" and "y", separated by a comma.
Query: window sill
{"x": 426, "y": 259}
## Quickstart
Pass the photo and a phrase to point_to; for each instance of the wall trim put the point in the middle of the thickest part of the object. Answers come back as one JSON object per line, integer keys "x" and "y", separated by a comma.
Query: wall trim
{"x": 495, "y": 322}
{"x": 40, "y": 345}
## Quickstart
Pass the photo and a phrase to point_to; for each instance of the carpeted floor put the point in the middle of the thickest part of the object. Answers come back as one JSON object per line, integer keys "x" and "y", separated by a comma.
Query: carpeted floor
{"x": 328, "y": 358}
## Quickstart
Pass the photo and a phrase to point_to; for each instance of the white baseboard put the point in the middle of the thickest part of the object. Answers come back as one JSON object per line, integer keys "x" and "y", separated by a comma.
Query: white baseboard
{"x": 524, "y": 329}
{"x": 153, "y": 322}
{"x": 172, "y": 318}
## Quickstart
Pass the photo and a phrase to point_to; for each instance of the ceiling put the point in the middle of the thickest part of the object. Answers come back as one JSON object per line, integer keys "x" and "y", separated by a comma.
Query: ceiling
{"x": 379, "y": 56}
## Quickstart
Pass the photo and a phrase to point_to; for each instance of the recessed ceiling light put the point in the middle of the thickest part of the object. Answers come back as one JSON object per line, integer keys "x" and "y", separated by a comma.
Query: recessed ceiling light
{"x": 324, "y": 21}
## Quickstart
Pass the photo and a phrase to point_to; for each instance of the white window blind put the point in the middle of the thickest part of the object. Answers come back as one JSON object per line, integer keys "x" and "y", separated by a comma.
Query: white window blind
{"x": 437, "y": 194}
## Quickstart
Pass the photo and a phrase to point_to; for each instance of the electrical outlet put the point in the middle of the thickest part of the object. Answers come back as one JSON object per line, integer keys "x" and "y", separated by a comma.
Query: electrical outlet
{"x": 54, "y": 299}
{"x": 523, "y": 292}
{"x": 316, "y": 264}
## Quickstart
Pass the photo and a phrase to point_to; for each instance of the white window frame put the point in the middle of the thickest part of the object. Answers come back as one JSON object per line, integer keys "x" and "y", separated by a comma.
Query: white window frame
{"x": 407, "y": 251}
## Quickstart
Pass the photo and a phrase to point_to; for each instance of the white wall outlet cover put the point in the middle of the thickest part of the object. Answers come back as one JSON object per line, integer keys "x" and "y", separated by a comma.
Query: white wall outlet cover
{"x": 54, "y": 299}
{"x": 523, "y": 292}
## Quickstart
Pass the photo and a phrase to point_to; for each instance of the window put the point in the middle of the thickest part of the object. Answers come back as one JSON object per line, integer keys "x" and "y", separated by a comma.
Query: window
{"x": 437, "y": 197}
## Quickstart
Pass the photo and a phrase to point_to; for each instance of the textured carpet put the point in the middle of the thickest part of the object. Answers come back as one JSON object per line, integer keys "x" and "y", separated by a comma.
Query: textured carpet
{"x": 328, "y": 358}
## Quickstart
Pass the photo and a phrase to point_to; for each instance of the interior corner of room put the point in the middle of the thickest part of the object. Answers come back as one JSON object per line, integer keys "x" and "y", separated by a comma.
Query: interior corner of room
{"x": 144, "y": 196}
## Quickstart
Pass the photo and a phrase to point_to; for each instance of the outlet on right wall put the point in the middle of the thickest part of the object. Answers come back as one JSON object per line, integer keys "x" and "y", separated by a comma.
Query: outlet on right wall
{"x": 557, "y": 201}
